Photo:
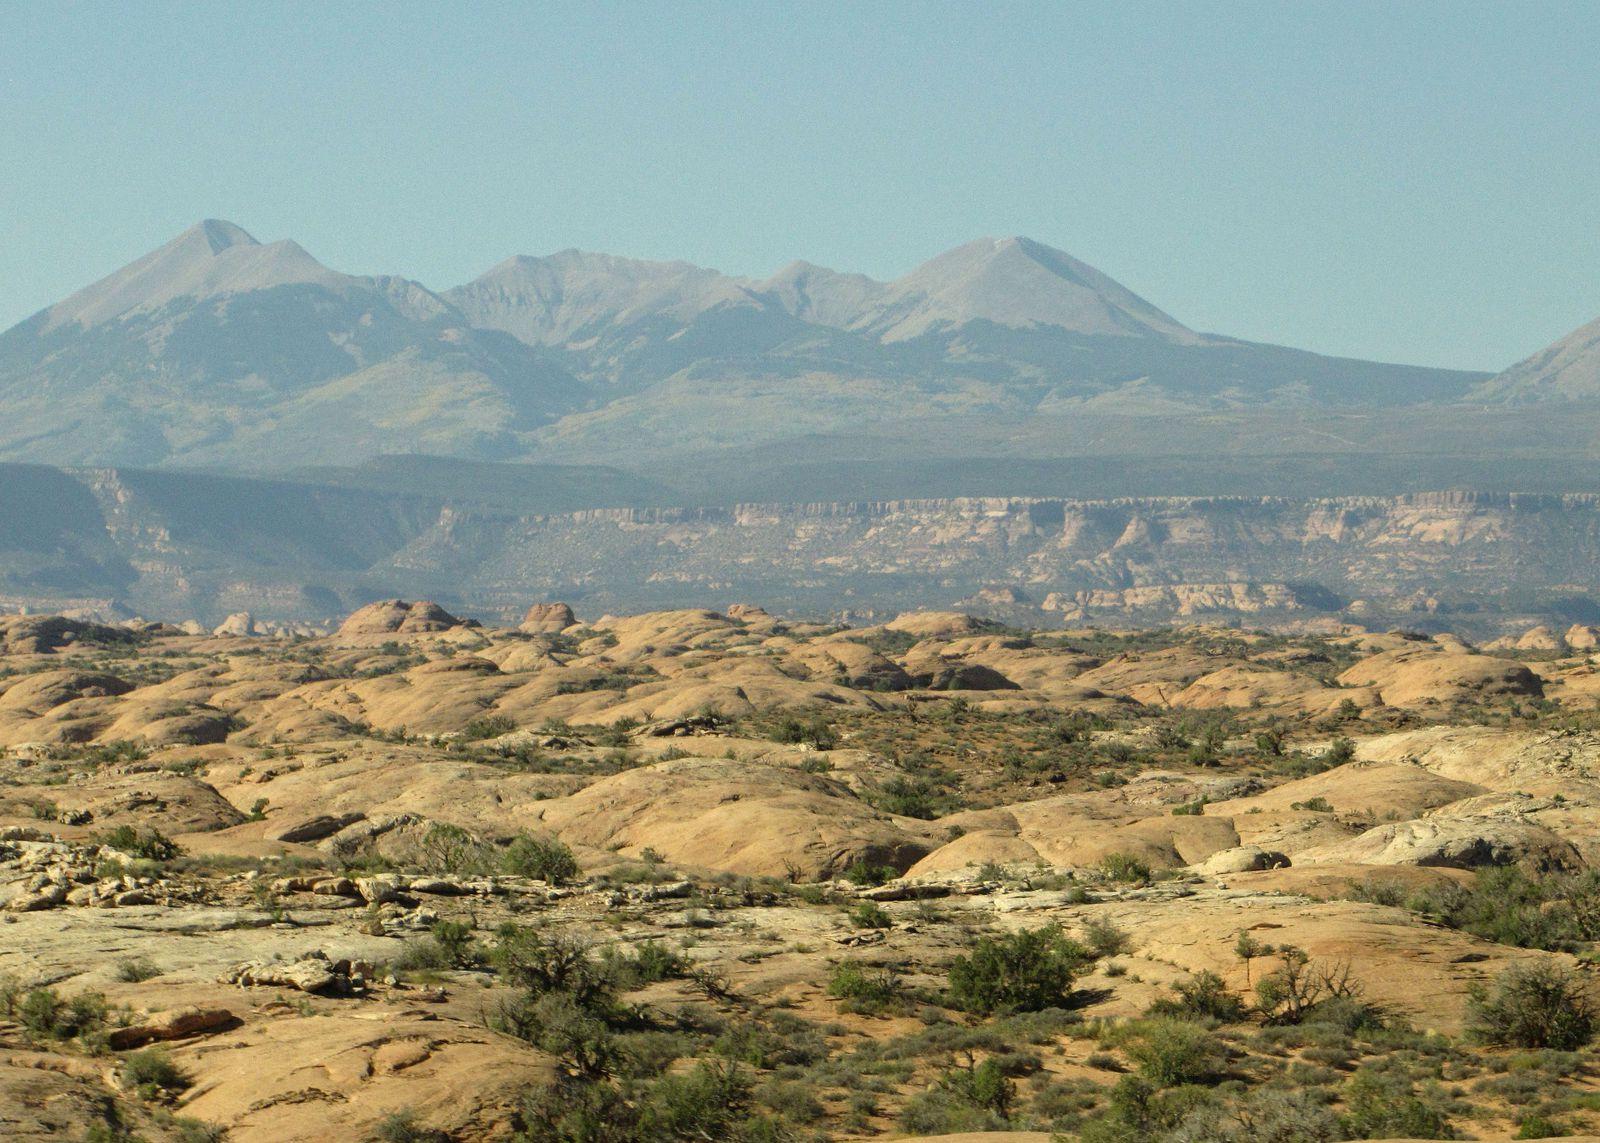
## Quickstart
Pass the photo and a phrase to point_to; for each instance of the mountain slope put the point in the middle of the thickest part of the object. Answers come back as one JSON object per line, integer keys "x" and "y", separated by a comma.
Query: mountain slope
{"x": 220, "y": 349}
{"x": 1567, "y": 370}
{"x": 217, "y": 349}
{"x": 1016, "y": 283}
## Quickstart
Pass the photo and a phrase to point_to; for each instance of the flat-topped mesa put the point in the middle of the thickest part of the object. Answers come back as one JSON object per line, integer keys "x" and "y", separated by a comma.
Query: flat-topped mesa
{"x": 398, "y": 617}
{"x": 547, "y": 619}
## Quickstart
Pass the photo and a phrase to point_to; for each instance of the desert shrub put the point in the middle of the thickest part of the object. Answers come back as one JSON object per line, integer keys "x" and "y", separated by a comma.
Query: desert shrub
{"x": 574, "y": 1112}
{"x": 711, "y": 1102}
{"x": 944, "y": 1112}
{"x": 1170, "y": 1051}
{"x": 1266, "y": 1115}
{"x": 1537, "y": 1126}
{"x": 1103, "y": 938}
{"x": 1025, "y": 971}
{"x": 865, "y": 873}
{"x": 1350, "y": 1015}
{"x": 813, "y": 731}
{"x": 543, "y": 859}
{"x": 648, "y": 1053}
{"x": 1204, "y": 996}
{"x": 152, "y": 1074}
{"x": 1380, "y": 1105}
{"x": 915, "y": 797}
{"x": 425, "y": 954}
{"x": 791, "y": 1099}
{"x": 649, "y": 962}
{"x": 1340, "y": 750}
{"x": 576, "y": 1032}
{"x": 784, "y": 1041}
{"x": 1539, "y": 1005}
{"x": 43, "y": 1013}
{"x": 865, "y": 990}
{"x": 870, "y": 915}
{"x": 448, "y": 945}
{"x": 1516, "y": 906}
{"x": 488, "y": 726}
{"x": 446, "y": 848}
{"x": 136, "y": 970}
{"x": 1139, "y": 1112}
{"x": 403, "y": 1127}
{"x": 197, "y": 1131}
{"x": 1124, "y": 867}
{"x": 148, "y": 844}
{"x": 540, "y": 963}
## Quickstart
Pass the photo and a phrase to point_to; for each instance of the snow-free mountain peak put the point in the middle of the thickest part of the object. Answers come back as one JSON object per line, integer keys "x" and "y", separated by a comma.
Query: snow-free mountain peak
{"x": 1018, "y": 283}
{"x": 210, "y": 259}
{"x": 552, "y": 299}
{"x": 1567, "y": 370}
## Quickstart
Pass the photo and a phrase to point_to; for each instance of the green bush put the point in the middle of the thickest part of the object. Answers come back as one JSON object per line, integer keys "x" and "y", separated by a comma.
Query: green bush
{"x": 1380, "y": 1106}
{"x": 1511, "y": 906}
{"x": 43, "y": 1013}
{"x": 866, "y": 990}
{"x": 1538, "y": 1005}
{"x": 1105, "y": 939}
{"x": 543, "y": 859}
{"x": 1025, "y": 971}
{"x": 152, "y": 1074}
{"x": 650, "y": 962}
{"x": 1204, "y": 996}
{"x": 488, "y": 726}
{"x": 1124, "y": 867}
{"x": 1170, "y": 1052}
{"x": 148, "y": 844}
{"x": 870, "y": 915}
{"x": 540, "y": 963}
{"x": 814, "y": 732}
{"x": 136, "y": 970}
{"x": 864, "y": 873}
{"x": 711, "y": 1102}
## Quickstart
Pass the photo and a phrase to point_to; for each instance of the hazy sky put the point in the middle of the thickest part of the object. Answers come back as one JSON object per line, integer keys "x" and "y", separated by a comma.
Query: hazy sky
{"x": 1405, "y": 181}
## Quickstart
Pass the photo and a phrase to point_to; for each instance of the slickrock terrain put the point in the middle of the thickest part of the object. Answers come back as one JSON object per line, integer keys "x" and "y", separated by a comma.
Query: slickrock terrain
{"x": 704, "y": 875}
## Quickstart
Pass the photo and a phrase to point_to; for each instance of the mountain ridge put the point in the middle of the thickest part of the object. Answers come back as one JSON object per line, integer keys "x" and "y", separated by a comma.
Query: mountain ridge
{"x": 216, "y": 349}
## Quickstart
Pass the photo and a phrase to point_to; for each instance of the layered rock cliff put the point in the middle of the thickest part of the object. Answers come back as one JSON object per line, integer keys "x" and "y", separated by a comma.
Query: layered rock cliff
{"x": 203, "y": 546}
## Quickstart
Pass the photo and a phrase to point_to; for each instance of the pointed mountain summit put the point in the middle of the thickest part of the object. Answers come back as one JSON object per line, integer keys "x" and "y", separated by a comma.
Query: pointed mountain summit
{"x": 816, "y": 294}
{"x": 1567, "y": 370}
{"x": 1018, "y": 283}
{"x": 210, "y": 259}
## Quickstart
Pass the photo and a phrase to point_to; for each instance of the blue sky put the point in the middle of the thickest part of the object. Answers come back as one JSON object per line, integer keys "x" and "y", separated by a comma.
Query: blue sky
{"x": 1407, "y": 181}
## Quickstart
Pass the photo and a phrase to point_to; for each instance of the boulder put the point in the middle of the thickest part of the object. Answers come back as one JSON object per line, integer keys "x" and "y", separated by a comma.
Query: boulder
{"x": 398, "y": 617}
{"x": 177, "y": 1024}
{"x": 547, "y": 619}
{"x": 313, "y": 829}
{"x": 1454, "y": 842}
{"x": 239, "y": 624}
{"x": 1582, "y": 638}
{"x": 1241, "y": 859}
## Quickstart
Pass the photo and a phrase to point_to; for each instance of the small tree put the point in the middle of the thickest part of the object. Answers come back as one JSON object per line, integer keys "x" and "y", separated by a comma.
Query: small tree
{"x": 1023, "y": 971}
{"x": 1289, "y": 993}
{"x": 543, "y": 859}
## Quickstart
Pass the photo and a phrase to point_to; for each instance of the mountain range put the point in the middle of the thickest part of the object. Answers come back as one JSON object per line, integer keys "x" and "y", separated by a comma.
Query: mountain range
{"x": 219, "y": 351}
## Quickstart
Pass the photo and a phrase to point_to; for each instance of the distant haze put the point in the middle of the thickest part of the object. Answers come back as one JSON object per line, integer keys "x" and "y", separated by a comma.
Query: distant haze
{"x": 1401, "y": 182}
{"x": 219, "y": 350}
